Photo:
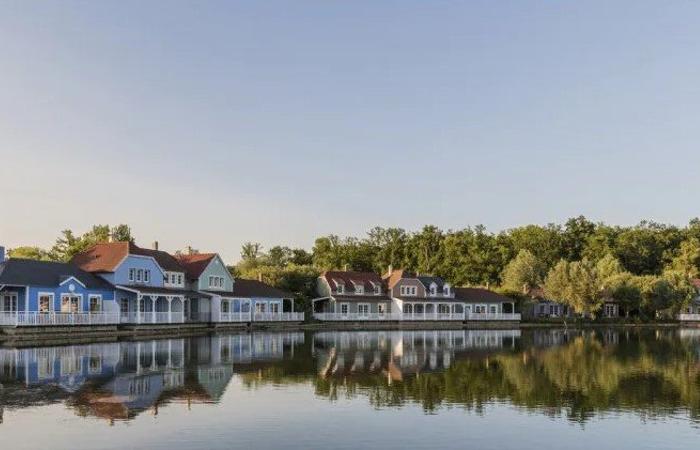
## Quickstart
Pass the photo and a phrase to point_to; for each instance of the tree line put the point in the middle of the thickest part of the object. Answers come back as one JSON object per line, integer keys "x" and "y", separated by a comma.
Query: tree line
{"x": 646, "y": 267}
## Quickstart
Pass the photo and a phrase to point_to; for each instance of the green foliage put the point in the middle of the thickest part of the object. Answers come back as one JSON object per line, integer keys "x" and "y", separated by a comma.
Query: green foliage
{"x": 687, "y": 260}
{"x": 524, "y": 272}
{"x": 29, "y": 253}
{"x": 575, "y": 284}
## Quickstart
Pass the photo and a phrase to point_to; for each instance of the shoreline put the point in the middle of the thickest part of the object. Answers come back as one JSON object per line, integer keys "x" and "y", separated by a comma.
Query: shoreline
{"x": 67, "y": 336}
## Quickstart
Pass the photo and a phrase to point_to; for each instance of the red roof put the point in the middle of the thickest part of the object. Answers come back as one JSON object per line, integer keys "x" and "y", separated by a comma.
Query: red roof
{"x": 351, "y": 278}
{"x": 105, "y": 257}
{"x": 195, "y": 264}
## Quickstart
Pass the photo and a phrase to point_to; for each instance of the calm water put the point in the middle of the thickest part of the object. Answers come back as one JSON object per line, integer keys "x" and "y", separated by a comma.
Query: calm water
{"x": 389, "y": 389}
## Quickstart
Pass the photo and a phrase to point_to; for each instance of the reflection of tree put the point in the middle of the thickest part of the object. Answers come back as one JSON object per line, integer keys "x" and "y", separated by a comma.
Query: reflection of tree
{"x": 651, "y": 373}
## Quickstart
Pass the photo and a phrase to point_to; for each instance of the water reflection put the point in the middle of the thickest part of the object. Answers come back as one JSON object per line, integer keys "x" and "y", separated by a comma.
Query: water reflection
{"x": 575, "y": 374}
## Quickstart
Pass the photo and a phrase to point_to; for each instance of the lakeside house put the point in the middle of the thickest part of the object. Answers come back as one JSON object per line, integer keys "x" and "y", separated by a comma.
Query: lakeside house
{"x": 692, "y": 311}
{"x": 43, "y": 293}
{"x": 404, "y": 296}
{"x": 541, "y": 307}
{"x": 120, "y": 283}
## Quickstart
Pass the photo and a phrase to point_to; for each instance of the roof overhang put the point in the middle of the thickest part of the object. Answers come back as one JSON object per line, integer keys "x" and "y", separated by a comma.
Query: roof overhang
{"x": 162, "y": 292}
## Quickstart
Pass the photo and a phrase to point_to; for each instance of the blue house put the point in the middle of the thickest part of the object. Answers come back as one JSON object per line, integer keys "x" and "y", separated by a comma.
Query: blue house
{"x": 150, "y": 284}
{"x": 52, "y": 293}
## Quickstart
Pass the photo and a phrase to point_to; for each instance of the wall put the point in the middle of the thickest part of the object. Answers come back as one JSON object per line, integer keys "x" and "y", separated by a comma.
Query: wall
{"x": 108, "y": 303}
{"x": 121, "y": 274}
{"x": 396, "y": 290}
{"x": 216, "y": 268}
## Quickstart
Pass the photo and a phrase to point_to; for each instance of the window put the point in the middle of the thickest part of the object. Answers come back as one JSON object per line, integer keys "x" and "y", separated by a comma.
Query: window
{"x": 147, "y": 276}
{"x": 443, "y": 309}
{"x": 224, "y": 307}
{"x": 493, "y": 309}
{"x": 408, "y": 308}
{"x": 9, "y": 302}
{"x": 340, "y": 288}
{"x": 216, "y": 282}
{"x": 409, "y": 290}
{"x": 433, "y": 289}
{"x": 95, "y": 303}
{"x": 274, "y": 307}
{"x": 359, "y": 289}
{"x": 381, "y": 308}
{"x": 70, "y": 303}
{"x": 179, "y": 279}
{"x": 45, "y": 303}
{"x": 344, "y": 308}
{"x": 139, "y": 275}
{"x": 132, "y": 274}
{"x": 124, "y": 306}
{"x": 446, "y": 290}
{"x": 552, "y": 310}
{"x": 363, "y": 309}
{"x": 377, "y": 289}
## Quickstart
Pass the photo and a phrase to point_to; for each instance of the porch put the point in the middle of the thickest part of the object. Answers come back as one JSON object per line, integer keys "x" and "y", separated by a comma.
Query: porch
{"x": 239, "y": 310}
{"x": 162, "y": 306}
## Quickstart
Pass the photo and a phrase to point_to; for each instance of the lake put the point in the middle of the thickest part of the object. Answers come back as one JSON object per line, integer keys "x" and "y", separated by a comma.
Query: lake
{"x": 483, "y": 389}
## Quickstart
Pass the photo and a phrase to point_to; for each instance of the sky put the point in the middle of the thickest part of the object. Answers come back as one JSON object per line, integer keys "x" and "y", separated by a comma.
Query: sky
{"x": 215, "y": 123}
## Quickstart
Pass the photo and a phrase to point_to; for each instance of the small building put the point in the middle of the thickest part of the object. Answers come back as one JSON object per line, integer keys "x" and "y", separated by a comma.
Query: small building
{"x": 481, "y": 303}
{"x": 540, "y": 307}
{"x": 692, "y": 311}
{"x": 36, "y": 293}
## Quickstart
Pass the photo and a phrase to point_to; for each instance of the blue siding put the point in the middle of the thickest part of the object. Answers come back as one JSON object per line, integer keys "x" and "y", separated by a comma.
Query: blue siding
{"x": 107, "y": 296}
{"x": 121, "y": 274}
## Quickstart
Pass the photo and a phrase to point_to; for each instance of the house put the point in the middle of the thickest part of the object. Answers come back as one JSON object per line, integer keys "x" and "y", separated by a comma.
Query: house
{"x": 349, "y": 295}
{"x": 236, "y": 300}
{"x": 150, "y": 284}
{"x": 480, "y": 303}
{"x": 404, "y": 296}
{"x": 540, "y": 307}
{"x": 34, "y": 293}
{"x": 692, "y": 311}
{"x": 423, "y": 297}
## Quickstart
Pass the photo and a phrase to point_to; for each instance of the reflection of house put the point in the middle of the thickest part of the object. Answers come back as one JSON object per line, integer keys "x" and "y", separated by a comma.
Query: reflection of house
{"x": 401, "y": 353}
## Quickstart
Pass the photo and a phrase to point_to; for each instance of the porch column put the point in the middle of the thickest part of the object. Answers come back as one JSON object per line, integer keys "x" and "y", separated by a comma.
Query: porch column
{"x": 139, "y": 298}
{"x": 170, "y": 309}
{"x": 153, "y": 308}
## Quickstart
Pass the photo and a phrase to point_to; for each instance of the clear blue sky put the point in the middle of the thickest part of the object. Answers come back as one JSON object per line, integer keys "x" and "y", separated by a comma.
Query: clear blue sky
{"x": 215, "y": 123}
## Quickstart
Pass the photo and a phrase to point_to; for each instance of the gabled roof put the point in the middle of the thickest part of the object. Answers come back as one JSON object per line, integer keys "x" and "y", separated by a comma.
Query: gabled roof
{"x": 427, "y": 281}
{"x": 395, "y": 276}
{"x": 105, "y": 257}
{"x": 351, "y": 278}
{"x": 195, "y": 264}
{"x": 251, "y": 289}
{"x": 27, "y": 272}
{"x": 474, "y": 295}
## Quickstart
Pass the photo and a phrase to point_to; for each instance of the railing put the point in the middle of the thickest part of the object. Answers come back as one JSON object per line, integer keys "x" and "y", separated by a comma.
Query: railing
{"x": 493, "y": 316}
{"x": 689, "y": 317}
{"x": 30, "y": 319}
{"x": 150, "y": 318}
{"x": 414, "y": 317}
{"x": 278, "y": 317}
{"x": 198, "y": 317}
{"x": 235, "y": 317}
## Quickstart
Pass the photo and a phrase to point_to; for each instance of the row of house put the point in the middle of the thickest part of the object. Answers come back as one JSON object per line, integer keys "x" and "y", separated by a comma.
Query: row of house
{"x": 403, "y": 296}
{"x": 122, "y": 283}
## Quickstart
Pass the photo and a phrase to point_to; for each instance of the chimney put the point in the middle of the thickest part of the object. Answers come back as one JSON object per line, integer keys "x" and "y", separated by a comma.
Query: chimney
{"x": 189, "y": 249}
{"x": 155, "y": 245}
{"x": 2, "y": 254}
{"x": 488, "y": 286}
{"x": 390, "y": 270}
{"x": 345, "y": 267}
{"x": 260, "y": 277}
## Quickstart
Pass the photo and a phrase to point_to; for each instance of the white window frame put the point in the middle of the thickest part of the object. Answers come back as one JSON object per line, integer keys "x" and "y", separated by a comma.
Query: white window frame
{"x": 72, "y": 296}
{"x": 377, "y": 289}
{"x": 91, "y": 297}
{"x": 446, "y": 290}
{"x": 147, "y": 275}
{"x": 139, "y": 275}
{"x": 360, "y": 307}
{"x": 339, "y": 288}
{"x": 132, "y": 274}
{"x": 433, "y": 289}
{"x": 359, "y": 289}
{"x": 275, "y": 307}
{"x": 14, "y": 301}
{"x": 345, "y": 306}
{"x": 52, "y": 299}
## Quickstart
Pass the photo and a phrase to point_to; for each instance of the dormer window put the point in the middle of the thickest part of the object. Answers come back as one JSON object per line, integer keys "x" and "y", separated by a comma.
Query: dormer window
{"x": 339, "y": 287}
{"x": 408, "y": 290}
{"x": 446, "y": 290}
{"x": 433, "y": 289}
{"x": 359, "y": 289}
{"x": 377, "y": 289}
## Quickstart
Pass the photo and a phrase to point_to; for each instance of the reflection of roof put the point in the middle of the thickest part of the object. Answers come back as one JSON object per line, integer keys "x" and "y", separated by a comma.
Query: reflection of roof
{"x": 26, "y": 272}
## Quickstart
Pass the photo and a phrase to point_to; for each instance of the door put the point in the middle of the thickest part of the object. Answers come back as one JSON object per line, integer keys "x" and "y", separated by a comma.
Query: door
{"x": 70, "y": 304}
{"x": 9, "y": 302}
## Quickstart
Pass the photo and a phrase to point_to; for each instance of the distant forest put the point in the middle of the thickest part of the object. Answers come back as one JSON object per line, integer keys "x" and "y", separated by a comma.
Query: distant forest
{"x": 622, "y": 261}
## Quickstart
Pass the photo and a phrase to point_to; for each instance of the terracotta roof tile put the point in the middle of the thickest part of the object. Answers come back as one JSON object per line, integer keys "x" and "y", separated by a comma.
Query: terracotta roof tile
{"x": 103, "y": 257}
{"x": 195, "y": 264}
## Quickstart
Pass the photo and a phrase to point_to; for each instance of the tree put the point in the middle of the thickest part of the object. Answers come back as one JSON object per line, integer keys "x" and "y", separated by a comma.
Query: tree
{"x": 687, "y": 261}
{"x": 68, "y": 244}
{"x": 121, "y": 233}
{"x": 608, "y": 266}
{"x": 576, "y": 285}
{"x": 251, "y": 251}
{"x": 523, "y": 273}
{"x": 577, "y": 231}
{"x": 546, "y": 243}
{"x": 28, "y": 252}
